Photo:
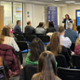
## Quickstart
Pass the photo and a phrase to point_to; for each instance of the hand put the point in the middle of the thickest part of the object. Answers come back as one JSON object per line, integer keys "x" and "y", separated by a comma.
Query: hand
{"x": 63, "y": 18}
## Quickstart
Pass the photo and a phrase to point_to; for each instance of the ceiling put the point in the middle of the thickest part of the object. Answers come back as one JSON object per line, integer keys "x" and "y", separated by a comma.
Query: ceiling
{"x": 50, "y": 1}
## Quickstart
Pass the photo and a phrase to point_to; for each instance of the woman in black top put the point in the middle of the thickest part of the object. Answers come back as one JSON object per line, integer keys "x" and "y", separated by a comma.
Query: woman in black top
{"x": 51, "y": 27}
{"x": 56, "y": 48}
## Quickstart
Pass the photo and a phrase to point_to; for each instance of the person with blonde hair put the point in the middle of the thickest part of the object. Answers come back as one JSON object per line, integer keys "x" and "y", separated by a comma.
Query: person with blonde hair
{"x": 46, "y": 67}
{"x": 57, "y": 48}
{"x": 77, "y": 47}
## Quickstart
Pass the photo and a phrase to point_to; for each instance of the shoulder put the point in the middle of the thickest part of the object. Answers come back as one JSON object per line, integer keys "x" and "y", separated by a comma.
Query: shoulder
{"x": 35, "y": 76}
{"x": 57, "y": 78}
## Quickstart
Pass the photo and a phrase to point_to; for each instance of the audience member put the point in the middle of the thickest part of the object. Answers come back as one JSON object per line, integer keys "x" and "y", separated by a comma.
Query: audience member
{"x": 46, "y": 68}
{"x": 40, "y": 29}
{"x": 17, "y": 28}
{"x": 36, "y": 48}
{"x": 9, "y": 26}
{"x": 56, "y": 48}
{"x": 65, "y": 41}
{"x": 51, "y": 27}
{"x": 8, "y": 72}
{"x": 77, "y": 47}
{"x": 73, "y": 35}
{"x": 29, "y": 29}
{"x": 6, "y": 38}
{"x": 78, "y": 29}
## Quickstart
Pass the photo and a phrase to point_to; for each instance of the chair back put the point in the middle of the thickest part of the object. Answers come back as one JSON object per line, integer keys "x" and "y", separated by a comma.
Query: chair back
{"x": 76, "y": 61}
{"x": 68, "y": 74}
{"x": 22, "y": 45}
{"x": 20, "y": 37}
{"x": 72, "y": 47}
{"x": 61, "y": 60}
{"x": 44, "y": 38}
{"x": 29, "y": 38}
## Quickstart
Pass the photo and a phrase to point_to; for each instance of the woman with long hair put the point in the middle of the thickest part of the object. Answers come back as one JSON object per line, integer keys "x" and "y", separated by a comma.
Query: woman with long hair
{"x": 7, "y": 38}
{"x": 46, "y": 67}
{"x": 56, "y": 48}
{"x": 37, "y": 48}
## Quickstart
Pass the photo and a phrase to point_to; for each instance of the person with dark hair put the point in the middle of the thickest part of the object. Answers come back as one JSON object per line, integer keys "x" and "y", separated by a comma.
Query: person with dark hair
{"x": 65, "y": 41}
{"x": 37, "y": 48}
{"x": 17, "y": 28}
{"x": 29, "y": 29}
{"x": 66, "y": 20}
{"x": 46, "y": 67}
{"x": 40, "y": 29}
{"x": 51, "y": 27}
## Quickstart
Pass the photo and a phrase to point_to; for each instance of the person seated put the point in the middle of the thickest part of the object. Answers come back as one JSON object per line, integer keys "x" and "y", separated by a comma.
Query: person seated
{"x": 29, "y": 29}
{"x": 77, "y": 47}
{"x": 8, "y": 72}
{"x": 36, "y": 48}
{"x": 57, "y": 48}
{"x": 73, "y": 35}
{"x": 17, "y": 28}
{"x": 65, "y": 41}
{"x": 7, "y": 38}
{"x": 10, "y": 26}
{"x": 40, "y": 29}
{"x": 51, "y": 27}
{"x": 47, "y": 67}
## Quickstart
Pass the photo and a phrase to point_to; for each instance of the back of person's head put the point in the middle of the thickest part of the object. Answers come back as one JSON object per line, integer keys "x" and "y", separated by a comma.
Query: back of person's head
{"x": 41, "y": 24}
{"x": 5, "y": 32}
{"x": 69, "y": 25}
{"x": 77, "y": 42}
{"x": 61, "y": 29}
{"x": 47, "y": 66}
{"x": 50, "y": 24}
{"x": 18, "y": 21}
{"x": 28, "y": 22}
{"x": 10, "y": 25}
{"x": 37, "y": 48}
{"x": 55, "y": 43}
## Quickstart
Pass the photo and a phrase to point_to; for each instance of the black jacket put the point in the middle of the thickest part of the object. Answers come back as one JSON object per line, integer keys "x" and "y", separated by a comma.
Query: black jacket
{"x": 64, "y": 21}
{"x": 29, "y": 30}
{"x": 63, "y": 52}
{"x": 78, "y": 29}
{"x": 27, "y": 72}
{"x": 50, "y": 29}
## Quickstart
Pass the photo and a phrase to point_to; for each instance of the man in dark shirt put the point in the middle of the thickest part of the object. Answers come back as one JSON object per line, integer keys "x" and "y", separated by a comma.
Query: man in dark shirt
{"x": 17, "y": 28}
{"x": 29, "y": 29}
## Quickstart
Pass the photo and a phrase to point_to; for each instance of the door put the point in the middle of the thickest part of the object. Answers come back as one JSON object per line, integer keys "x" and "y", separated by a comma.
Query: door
{"x": 1, "y": 18}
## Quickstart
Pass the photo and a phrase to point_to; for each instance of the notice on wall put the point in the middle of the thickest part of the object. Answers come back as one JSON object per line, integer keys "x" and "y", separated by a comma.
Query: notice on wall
{"x": 52, "y": 15}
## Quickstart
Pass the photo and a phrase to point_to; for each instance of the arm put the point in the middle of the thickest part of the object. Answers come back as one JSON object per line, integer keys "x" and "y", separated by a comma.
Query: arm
{"x": 63, "y": 21}
{"x": 15, "y": 46}
{"x": 19, "y": 29}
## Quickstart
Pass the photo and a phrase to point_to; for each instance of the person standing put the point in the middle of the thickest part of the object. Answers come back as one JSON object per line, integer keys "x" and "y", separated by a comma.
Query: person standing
{"x": 17, "y": 28}
{"x": 66, "y": 20}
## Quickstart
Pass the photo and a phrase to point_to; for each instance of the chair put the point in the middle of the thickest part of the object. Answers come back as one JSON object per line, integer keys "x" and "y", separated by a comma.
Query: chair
{"x": 27, "y": 72}
{"x": 68, "y": 74}
{"x": 76, "y": 61}
{"x": 23, "y": 46}
{"x": 20, "y": 38}
{"x": 38, "y": 35}
{"x": 72, "y": 47}
{"x": 29, "y": 38}
{"x": 2, "y": 73}
{"x": 17, "y": 34}
{"x": 61, "y": 60}
{"x": 45, "y": 39}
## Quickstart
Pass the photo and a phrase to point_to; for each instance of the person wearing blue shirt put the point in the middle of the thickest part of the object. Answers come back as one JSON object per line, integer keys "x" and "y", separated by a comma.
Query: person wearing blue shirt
{"x": 17, "y": 28}
{"x": 73, "y": 35}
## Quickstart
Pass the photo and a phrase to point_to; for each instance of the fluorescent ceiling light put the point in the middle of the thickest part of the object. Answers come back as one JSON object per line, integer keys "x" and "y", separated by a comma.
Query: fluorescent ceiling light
{"x": 69, "y": 2}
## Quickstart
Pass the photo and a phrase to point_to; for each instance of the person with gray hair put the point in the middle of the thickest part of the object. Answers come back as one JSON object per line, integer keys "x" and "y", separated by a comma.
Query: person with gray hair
{"x": 73, "y": 35}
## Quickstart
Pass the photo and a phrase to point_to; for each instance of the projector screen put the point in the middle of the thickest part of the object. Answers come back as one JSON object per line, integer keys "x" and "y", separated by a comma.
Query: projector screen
{"x": 77, "y": 17}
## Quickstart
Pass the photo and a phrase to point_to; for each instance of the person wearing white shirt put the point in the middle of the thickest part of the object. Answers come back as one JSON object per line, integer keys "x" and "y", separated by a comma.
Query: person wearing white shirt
{"x": 65, "y": 41}
{"x": 7, "y": 38}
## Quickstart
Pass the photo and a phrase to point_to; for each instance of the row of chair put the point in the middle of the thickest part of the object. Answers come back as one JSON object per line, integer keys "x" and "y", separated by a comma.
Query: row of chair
{"x": 62, "y": 61}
